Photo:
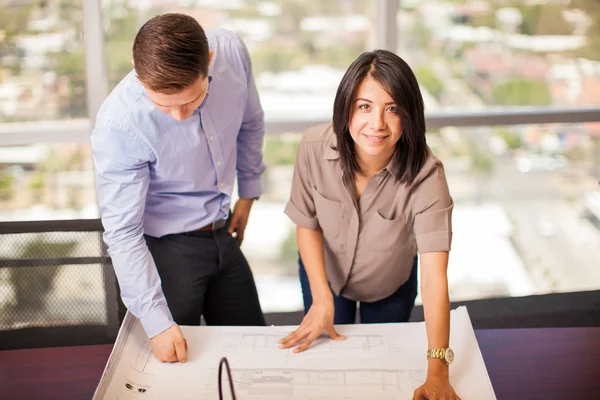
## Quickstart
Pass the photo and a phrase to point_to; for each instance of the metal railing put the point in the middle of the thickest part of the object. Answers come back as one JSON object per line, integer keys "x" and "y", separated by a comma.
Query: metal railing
{"x": 34, "y": 256}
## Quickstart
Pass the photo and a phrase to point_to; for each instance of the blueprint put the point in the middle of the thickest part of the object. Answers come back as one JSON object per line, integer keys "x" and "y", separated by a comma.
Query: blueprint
{"x": 379, "y": 361}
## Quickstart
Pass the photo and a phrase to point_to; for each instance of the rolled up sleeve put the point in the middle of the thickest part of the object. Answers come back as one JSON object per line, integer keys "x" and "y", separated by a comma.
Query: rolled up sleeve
{"x": 250, "y": 165}
{"x": 432, "y": 208}
{"x": 301, "y": 207}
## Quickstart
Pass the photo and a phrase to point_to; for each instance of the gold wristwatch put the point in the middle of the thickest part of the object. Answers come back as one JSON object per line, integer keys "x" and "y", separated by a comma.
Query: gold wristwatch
{"x": 446, "y": 355}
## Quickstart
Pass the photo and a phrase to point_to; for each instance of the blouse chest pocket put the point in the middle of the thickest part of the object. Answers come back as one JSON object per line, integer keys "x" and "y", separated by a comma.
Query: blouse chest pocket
{"x": 330, "y": 214}
{"x": 387, "y": 234}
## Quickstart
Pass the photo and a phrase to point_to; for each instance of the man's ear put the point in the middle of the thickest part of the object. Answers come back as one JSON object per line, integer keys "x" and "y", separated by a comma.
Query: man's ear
{"x": 210, "y": 56}
{"x": 133, "y": 63}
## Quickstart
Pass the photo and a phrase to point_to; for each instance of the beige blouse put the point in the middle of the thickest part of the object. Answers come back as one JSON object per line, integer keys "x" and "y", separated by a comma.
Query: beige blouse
{"x": 369, "y": 247}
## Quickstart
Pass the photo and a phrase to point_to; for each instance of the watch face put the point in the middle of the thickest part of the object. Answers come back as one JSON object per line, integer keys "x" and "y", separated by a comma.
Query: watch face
{"x": 449, "y": 356}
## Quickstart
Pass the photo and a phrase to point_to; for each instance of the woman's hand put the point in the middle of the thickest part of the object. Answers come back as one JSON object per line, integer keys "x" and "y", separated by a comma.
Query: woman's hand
{"x": 318, "y": 319}
{"x": 437, "y": 386}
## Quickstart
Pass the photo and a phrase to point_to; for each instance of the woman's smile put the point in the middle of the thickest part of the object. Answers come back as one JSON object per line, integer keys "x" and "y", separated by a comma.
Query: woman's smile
{"x": 375, "y": 138}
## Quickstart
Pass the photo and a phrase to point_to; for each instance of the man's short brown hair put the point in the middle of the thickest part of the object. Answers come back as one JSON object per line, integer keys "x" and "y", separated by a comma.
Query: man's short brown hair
{"x": 170, "y": 53}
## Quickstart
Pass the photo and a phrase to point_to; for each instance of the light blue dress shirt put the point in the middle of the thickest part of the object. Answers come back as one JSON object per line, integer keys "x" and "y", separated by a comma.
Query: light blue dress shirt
{"x": 158, "y": 176}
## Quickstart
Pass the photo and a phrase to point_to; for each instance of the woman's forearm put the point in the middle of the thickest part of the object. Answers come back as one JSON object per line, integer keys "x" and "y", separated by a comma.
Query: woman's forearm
{"x": 310, "y": 245}
{"x": 436, "y": 304}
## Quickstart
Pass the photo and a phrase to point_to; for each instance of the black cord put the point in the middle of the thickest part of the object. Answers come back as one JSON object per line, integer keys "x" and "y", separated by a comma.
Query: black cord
{"x": 224, "y": 361}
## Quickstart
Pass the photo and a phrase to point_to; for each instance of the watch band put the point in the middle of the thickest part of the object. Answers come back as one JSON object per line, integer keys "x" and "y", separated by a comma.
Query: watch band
{"x": 440, "y": 354}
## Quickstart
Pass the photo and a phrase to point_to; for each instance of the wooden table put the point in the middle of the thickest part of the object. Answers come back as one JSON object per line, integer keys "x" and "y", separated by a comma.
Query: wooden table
{"x": 561, "y": 363}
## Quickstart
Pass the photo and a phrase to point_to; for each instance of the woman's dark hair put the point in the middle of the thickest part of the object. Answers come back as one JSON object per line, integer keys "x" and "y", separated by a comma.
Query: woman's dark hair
{"x": 398, "y": 80}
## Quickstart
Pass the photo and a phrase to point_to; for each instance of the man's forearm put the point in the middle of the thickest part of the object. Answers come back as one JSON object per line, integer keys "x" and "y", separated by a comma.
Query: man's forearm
{"x": 140, "y": 284}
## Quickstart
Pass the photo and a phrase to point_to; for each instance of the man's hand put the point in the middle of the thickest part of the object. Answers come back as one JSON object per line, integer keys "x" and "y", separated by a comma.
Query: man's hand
{"x": 318, "y": 319}
{"x": 170, "y": 345}
{"x": 239, "y": 218}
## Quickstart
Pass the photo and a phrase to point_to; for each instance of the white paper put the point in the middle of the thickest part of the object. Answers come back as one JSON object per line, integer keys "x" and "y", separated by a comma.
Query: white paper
{"x": 379, "y": 361}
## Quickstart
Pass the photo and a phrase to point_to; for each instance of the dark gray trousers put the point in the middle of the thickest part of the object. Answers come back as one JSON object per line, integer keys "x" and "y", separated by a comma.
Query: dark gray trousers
{"x": 206, "y": 273}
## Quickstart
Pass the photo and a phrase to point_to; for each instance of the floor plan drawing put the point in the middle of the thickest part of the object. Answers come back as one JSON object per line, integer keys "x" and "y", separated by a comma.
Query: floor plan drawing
{"x": 385, "y": 361}
{"x": 284, "y": 384}
{"x": 259, "y": 343}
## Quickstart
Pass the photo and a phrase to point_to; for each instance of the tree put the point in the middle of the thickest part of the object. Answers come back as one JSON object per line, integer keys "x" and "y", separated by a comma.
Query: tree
{"x": 14, "y": 20}
{"x": 521, "y": 92}
{"x": 37, "y": 184}
{"x": 482, "y": 163}
{"x": 341, "y": 56}
{"x": 50, "y": 167}
{"x": 577, "y": 154}
{"x": 6, "y": 182}
{"x": 427, "y": 78}
{"x": 289, "y": 248}
{"x": 71, "y": 65}
{"x": 119, "y": 37}
{"x": 274, "y": 58}
{"x": 513, "y": 140}
{"x": 544, "y": 19}
{"x": 280, "y": 150}
{"x": 592, "y": 10}
{"x": 420, "y": 34}
{"x": 482, "y": 168}
{"x": 31, "y": 285}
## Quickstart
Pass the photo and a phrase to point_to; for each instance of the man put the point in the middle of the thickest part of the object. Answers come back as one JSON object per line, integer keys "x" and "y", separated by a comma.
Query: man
{"x": 167, "y": 143}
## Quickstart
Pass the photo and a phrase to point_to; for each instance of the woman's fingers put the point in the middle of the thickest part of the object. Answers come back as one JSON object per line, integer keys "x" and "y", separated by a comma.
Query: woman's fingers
{"x": 311, "y": 338}
{"x": 334, "y": 335}
{"x": 294, "y": 338}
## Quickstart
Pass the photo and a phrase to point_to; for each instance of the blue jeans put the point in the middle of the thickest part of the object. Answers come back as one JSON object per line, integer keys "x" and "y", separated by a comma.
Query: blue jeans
{"x": 395, "y": 308}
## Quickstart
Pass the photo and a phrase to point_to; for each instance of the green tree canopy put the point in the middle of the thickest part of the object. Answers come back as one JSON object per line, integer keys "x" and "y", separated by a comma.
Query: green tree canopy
{"x": 544, "y": 19}
{"x": 430, "y": 81}
{"x": 521, "y": 92}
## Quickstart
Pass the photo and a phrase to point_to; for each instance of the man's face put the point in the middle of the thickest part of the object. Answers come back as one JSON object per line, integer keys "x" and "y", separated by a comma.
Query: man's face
{"x": 181, "y": 105}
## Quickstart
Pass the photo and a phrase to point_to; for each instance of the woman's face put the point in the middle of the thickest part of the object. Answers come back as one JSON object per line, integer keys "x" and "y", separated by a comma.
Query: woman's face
{"x": 375, "y": 123}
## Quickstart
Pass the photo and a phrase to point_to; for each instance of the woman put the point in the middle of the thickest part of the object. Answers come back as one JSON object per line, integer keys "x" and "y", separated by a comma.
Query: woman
{"x": 367, "y": 195}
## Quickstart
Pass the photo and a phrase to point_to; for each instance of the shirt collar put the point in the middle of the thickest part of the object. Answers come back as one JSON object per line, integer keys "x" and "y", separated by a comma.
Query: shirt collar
{"x": 392, "y": 167}
{"x": 207, "y": 93}
{"x": 331, "y": 152}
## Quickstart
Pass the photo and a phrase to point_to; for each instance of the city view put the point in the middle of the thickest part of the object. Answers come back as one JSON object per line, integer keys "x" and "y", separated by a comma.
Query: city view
{"x": 527, "y": 197}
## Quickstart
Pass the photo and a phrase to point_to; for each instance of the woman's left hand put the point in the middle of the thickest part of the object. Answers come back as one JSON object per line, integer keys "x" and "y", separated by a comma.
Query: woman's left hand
{"x": 436, "y": 387}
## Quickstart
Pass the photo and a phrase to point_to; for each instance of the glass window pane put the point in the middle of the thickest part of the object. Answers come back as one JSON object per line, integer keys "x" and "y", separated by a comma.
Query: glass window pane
{"x": 299, "y": 49}
{"x": 42, "y": 64}
{"x": 47, "y": 182}
{"x": 527, "y": 208}
{"x": 270, "y": 238}
{"x": 494, "y": 53}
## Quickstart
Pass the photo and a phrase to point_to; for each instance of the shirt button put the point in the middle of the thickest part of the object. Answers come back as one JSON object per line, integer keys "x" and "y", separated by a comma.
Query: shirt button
{"x": 221, "y": 185}
{"x": 211, "y": 138}
{"x": 219, "y": 163}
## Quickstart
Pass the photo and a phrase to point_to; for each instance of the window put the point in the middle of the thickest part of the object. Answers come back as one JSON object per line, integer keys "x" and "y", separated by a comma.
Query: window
{"x": 474, "y": 54}
{"x": 526, "y": 198}
{"x": 270, "y": 238}
{"x": 527, "y": 216}
{"x": 299, "y": 49}
{"x": 42, "y": 61}
{"x": 46, "y": 181}
{"x": 43, "y": 79}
